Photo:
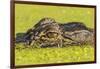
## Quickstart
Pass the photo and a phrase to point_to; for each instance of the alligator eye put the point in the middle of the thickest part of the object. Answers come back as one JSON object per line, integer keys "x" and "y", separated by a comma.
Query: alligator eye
{"x": 51, "y": 34}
